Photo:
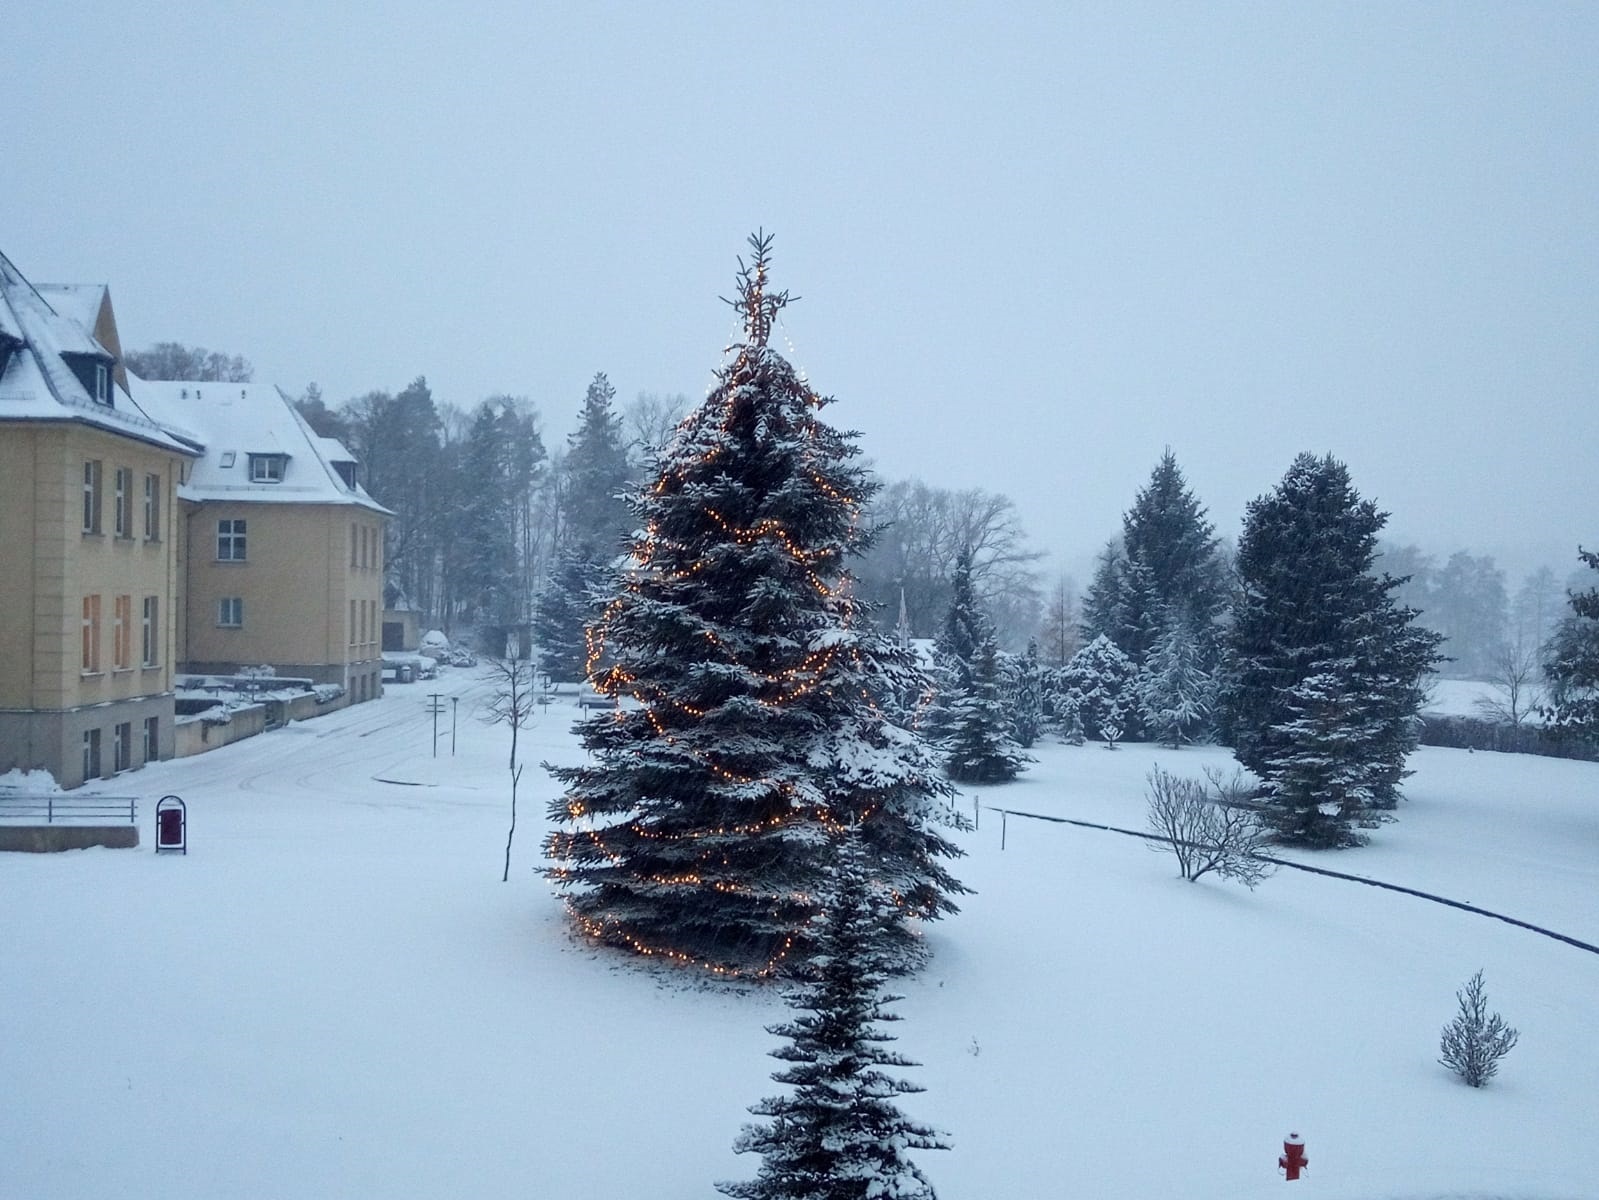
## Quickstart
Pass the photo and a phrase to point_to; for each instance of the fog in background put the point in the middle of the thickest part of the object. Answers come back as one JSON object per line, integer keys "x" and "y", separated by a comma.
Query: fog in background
{"x": 1035, "y": 244}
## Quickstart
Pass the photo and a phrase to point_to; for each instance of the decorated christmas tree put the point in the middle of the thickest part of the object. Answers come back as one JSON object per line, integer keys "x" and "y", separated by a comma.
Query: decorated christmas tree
{"x": 749, "y": 733}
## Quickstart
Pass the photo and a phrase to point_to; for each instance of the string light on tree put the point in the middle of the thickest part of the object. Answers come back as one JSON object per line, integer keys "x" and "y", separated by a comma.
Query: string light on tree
{"x": 747, "y": 732}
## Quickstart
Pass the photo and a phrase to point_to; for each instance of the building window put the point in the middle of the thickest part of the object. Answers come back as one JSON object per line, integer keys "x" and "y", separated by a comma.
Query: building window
{"x": 122, "y": 747}
{"x": 102, "y": 383}
{"x": 149, "y": 641}
{"x": 122, "y": 509}
{"x": 352, "y": 622}
{"x": 366, "y": 547}
{"x": 121, "y": 633}
{"x": 91, "y": 496}
{"x": 230, "y": 541}
{"x": 267, "y": 468}
{"x": 354, "y": 541}
{"x": 91, "y": 635}
{"x": 230, "y": 612}
{"x": 91, "y": 754}
{"x": 152, "y": 739}
{"x": 152, "y": 508}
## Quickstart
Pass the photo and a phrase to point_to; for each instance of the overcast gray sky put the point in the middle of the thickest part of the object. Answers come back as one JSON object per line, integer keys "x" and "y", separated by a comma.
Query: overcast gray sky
{"x": 1035, "y": 243}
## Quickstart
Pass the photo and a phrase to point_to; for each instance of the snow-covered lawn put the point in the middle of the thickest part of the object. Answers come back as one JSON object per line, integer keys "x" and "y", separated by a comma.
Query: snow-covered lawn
{"x": 333, "y": 995}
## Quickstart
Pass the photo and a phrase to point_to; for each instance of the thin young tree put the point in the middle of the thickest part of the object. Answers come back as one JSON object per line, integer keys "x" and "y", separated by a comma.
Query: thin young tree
{"x": 513, "y": 704}
{"x": 838, "y": 1135}
{"x": 698, "y": 831}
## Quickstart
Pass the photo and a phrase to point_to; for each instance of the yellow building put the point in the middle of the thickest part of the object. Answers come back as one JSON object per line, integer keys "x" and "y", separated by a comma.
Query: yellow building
{"x": 282, "y": 565}
{"x": 148, "y": 529}
{"x": 88, "y": 543}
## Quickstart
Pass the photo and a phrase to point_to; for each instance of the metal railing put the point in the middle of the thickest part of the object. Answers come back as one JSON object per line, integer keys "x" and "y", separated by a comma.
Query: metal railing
{"x": 54, "y": 808}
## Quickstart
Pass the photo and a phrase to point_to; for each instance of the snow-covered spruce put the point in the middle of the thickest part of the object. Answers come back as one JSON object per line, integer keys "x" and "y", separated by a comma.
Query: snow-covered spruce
{"x": 838, "y": 1135}
{"x": 700, "y": 828}
{"x": 1096, "y": 690}
{"x": 970, "y": 720}
{"x": 1327, "y": 670}
{"x": 593, "y": 519}
{"x": 1572, "y": 664}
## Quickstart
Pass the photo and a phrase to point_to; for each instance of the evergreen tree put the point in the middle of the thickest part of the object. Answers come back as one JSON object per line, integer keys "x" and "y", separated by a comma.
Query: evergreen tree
{"x": 571, "y": 599}
{"x": 1571, "y": 664}
{"x": 485, "y": 535}
{"x": 1103, "y": 610}
{"x": 1100, "y": 687}
{"x": 699, "y": 830}
{"x": 595, "y": 475}
{"x": 969, "y": 720}
{"x": 1024, "y": 685}
{"x": 839, "y": 1135}
{"x": 1176, "y": 690}
{"x": 1166, "y": 536}
{"x": 1318, "y": 640}
{"x": 594, "y": 515}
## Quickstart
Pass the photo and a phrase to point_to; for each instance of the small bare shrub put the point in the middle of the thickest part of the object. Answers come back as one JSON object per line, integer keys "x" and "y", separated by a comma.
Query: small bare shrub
{"x": 1208, "y": 829}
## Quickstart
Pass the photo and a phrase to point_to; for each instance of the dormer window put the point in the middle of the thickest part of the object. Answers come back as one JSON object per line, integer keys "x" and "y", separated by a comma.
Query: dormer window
{"x": 228, "y": 458}
{"x": 94, "y": 373}
{"x": 267, "y": 468}
{"x": 346, "y": 472}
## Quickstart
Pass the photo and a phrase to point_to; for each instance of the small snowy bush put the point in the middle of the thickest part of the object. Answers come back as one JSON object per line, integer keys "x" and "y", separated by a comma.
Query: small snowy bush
{"x": 1474, "y": 1042}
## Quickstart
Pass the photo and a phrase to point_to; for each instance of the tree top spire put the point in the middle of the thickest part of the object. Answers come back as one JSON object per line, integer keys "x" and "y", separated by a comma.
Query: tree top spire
{"x": 754, "y": 303}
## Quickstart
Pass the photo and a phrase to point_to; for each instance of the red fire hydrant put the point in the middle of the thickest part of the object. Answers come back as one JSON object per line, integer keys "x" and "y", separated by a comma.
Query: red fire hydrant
{"x": 1293, "y": 1158}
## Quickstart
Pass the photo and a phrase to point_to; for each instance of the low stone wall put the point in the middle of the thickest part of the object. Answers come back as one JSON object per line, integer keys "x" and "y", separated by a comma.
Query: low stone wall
{"x": 196, "y": 735}
{"x": 46, "y": 839}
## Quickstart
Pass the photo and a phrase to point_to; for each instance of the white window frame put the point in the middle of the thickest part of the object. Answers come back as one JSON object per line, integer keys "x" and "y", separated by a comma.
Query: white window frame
{"x": 230, "y": 612}
{"x": 150, "y": 632}
{"x": 267, "y": 468}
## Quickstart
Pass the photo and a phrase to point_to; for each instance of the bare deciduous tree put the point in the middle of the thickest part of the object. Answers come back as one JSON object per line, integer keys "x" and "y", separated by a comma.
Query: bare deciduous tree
{"x": 1514, "y": 672}
{"x": 1208, "y": 829}
{"x": 1474, "y": 1042}
{"x": 513, "y": 703}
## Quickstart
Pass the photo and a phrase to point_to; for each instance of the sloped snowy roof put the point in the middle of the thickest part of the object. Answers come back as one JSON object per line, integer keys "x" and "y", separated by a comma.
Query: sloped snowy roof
{"x": 235, "y": 421}
{"x": 38, "y": 384}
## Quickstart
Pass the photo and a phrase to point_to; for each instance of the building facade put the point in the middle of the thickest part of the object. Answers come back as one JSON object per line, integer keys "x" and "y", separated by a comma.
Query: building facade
{"x": 87, "y": 500}
{"x": 148, "y": 529}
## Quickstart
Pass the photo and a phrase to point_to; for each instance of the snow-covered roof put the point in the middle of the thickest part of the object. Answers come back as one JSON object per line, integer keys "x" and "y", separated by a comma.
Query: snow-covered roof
{"x": 236, "y": 424}
{"x": 38, "y": 384}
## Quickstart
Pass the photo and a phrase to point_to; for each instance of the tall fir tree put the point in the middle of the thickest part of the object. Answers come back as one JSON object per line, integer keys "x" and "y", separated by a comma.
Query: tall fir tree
{"x": 1024, "y": 695}
{"x": 485, "y": 548}
{"x": 700, "y": 827}
{"x": 838, "y": 1135}
{"x": 970, "y": 719}
{"x": 1318, "y": 639}
{"x": 594, "y": 517}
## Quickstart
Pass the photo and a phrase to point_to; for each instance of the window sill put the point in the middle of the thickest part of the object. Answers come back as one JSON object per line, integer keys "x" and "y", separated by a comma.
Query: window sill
{"x": 231, "y": 562}
{"x": 90, "y": 674}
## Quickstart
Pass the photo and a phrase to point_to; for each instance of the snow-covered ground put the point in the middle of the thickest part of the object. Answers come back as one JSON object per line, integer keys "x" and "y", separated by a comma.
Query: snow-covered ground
{"x": 333, "y": 995}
